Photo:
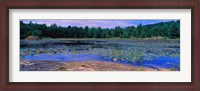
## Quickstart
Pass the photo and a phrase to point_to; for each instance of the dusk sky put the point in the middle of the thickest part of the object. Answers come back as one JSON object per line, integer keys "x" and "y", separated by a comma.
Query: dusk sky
{"x": 93, "y": 23}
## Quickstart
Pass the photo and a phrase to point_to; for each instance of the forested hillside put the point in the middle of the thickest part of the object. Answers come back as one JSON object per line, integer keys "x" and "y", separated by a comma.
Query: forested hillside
{"x": 169, "y": 29}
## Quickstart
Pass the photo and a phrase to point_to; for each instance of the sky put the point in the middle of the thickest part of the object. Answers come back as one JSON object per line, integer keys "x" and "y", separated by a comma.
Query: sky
{"x": 93, "y": 23}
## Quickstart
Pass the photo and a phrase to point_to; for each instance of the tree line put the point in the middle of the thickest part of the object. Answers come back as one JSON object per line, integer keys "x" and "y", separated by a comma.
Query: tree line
{"x": 169, "y": 29}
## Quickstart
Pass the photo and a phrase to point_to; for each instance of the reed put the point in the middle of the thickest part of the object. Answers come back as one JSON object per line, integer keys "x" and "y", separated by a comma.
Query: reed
{"x": 107, "y": 54}
{"x": 123, "y": 55}
{"x": 138, "y": 56}
{"x": 119, "y": 53}
{"x": 114, "y": 54}
{"x": 132, "y": 55}
{"x": 100, "y": 52}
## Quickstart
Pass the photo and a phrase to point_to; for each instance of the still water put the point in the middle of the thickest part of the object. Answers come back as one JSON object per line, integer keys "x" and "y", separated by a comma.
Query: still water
{"x": 136, "y": 53}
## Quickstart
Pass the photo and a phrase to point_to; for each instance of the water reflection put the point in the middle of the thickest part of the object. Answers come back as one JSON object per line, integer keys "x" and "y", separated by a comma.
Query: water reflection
{"x": 132, "y": 54}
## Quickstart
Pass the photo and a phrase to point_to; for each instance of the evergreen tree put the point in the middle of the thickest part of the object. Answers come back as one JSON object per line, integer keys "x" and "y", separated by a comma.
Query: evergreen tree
{"x": 169, "y": 29}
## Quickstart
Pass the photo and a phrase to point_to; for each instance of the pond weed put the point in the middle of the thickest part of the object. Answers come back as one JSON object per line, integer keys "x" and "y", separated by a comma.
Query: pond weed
{"x": 138, "y": 56}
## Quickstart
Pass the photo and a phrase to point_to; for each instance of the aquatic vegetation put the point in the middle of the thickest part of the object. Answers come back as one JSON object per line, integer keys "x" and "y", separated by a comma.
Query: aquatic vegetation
{"x": 123, "y": 55}
{"x": 172, "y": 69}
{"x": 138, "y": 56}
{"x": 100, "y": 52}
{"x": 75, "y": 52}
{"x": 178, "y": 67}
{"x": 107, "y": 54}
{"x": 130, "y": 52}
{"x": 115, "y": 59}
{"x": 131, "y": 55}
{"x": 119, "y": 52}
{"x": 175, "y": 67}
{"x": 114, "y": 54}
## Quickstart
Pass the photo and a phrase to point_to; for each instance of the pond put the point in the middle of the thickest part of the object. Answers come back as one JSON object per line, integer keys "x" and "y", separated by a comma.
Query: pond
{"x": 147, "y": 53}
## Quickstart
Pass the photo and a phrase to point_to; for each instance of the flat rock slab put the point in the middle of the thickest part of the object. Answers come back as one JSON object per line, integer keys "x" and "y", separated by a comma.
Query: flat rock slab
{"x": 39, "y": 65}
{"x": 103, "y": 66}
{"x": 80, "y": 66}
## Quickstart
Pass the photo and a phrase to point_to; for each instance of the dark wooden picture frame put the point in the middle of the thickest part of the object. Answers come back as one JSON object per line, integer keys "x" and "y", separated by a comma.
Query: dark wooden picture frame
{"x": 100, "y": 4}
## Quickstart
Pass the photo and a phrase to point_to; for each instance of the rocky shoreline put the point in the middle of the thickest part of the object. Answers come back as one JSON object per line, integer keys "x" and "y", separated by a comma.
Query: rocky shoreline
{"x": 40, "y": 65}
{"x": 80, "y": 66}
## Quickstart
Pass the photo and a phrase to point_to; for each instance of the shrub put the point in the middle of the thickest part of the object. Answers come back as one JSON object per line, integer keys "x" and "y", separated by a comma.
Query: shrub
{"x": 32, "y": 38}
